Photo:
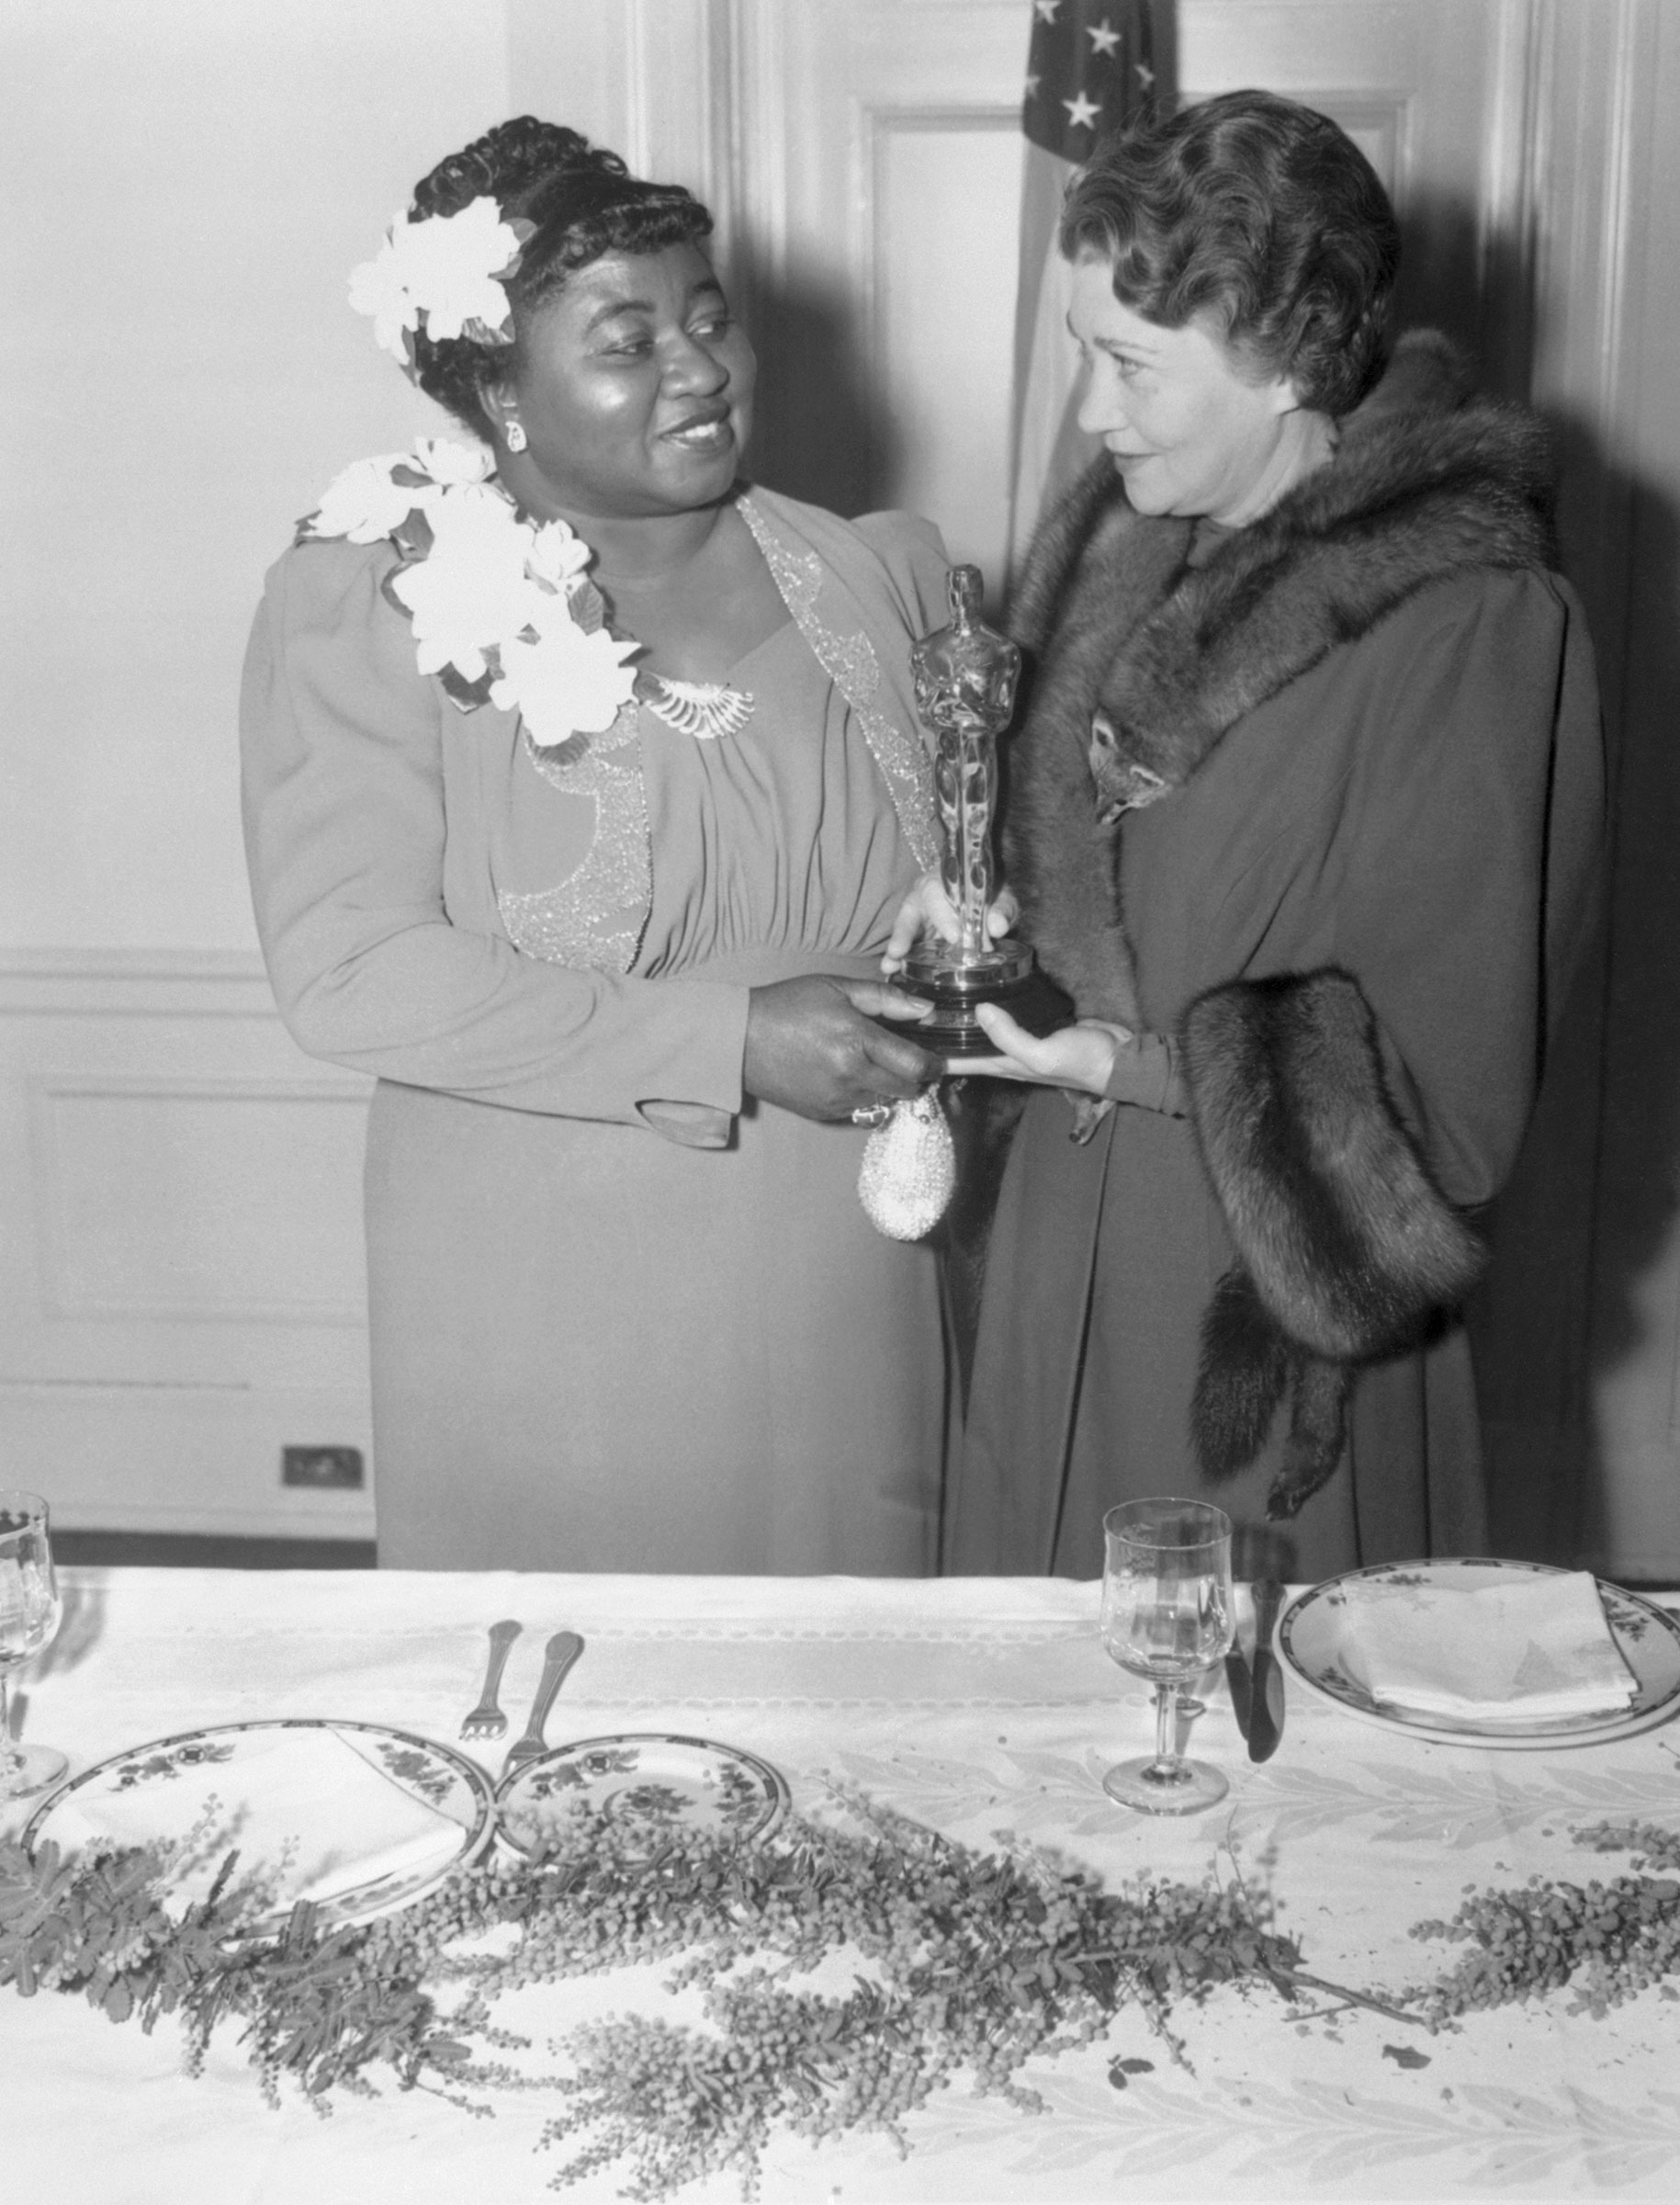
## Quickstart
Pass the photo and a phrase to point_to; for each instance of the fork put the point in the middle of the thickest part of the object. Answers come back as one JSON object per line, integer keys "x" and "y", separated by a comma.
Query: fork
{"x": 487, "y": 1720}
{"x": 558, "y": 1654}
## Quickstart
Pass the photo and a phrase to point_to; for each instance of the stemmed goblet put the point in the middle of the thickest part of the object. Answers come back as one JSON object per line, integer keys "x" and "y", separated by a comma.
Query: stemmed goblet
{"x": 1167, "y": 1614}
{"x": 30, "y": 1611}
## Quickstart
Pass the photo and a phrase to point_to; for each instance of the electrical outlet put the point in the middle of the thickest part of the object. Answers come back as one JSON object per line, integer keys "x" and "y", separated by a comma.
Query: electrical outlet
{"x": 331, "y": 1469}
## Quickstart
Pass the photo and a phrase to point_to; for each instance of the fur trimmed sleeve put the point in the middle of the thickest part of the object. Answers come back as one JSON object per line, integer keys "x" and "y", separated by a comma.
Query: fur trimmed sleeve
{"x": 1351, "y": 1248}
{"x": 1345, "y": 1248}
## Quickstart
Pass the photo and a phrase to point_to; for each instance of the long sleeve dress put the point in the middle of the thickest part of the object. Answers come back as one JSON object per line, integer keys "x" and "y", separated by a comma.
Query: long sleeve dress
{"x": 622, "y": 1316}
{"x": 1400, "y": 792}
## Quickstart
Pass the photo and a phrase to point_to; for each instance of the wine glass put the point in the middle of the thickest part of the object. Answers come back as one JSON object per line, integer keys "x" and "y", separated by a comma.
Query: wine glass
{"x": 30, "y": 1607}
{"x": 1167, "y": 1614}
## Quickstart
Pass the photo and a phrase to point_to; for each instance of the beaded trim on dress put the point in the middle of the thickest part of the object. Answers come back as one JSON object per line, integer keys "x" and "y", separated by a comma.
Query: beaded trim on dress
{"x": 851, "y": 664}
{"x": 584, "y": 921}
{"x": 587, "y": 919}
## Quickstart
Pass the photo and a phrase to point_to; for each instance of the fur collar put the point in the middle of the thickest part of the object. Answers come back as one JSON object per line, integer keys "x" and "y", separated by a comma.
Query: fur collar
{"x": 1145, "y": 662}
{"x": 1425, "y": 485}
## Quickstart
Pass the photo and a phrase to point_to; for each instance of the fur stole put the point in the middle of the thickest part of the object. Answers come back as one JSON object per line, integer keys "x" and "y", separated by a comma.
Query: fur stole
{"x": 1143, "y": 664}
{"x": 1347, "y": 1251}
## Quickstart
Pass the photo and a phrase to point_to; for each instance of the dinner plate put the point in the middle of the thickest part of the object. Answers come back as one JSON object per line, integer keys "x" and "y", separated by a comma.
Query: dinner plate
{"x": 668, "y": 1782}
{"x": 445, "y": 1780}
{"x": 1310, "y": 1639}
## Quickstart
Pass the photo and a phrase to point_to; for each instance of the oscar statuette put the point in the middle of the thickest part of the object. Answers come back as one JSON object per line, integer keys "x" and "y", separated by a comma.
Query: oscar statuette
{"x": 965, "y": 676}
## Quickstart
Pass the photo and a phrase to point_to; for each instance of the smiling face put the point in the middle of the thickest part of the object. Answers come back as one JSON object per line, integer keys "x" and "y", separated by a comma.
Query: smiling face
{"x": 633, "y": 388}
{"x": 1190, "y": 433}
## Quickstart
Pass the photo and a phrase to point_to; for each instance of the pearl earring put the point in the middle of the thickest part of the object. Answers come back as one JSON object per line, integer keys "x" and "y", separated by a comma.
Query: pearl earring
{"x": 515, "y": 437}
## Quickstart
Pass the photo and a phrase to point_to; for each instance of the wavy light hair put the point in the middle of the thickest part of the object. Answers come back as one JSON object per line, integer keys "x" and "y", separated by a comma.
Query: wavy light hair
{"x": 1257, "y": 211}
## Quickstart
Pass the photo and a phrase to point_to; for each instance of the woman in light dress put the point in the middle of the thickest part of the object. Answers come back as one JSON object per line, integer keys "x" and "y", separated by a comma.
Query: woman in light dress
{"x": 611, "y": 952}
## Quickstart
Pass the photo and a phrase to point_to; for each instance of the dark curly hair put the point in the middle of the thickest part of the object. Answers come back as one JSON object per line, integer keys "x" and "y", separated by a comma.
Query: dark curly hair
{"x": 584, "y": 202}
{"x": 1260, "y": 210}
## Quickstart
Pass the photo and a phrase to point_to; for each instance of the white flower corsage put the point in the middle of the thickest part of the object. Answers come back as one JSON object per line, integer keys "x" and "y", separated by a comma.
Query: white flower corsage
{"x": 372, "y": 498}
{"x": 502, "y": 609}
{"x": 446, "y": 271}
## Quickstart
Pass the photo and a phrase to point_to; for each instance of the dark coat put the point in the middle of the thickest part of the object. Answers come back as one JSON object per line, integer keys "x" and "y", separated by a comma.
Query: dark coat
{"x": 1322, "y": 800}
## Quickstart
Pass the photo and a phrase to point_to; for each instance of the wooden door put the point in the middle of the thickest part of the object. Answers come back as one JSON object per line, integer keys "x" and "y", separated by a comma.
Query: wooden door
{"x": 864, "y": 160}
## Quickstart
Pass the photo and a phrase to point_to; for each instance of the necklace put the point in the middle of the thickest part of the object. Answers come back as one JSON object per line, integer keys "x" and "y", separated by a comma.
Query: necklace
{"x": 703, "y": 710}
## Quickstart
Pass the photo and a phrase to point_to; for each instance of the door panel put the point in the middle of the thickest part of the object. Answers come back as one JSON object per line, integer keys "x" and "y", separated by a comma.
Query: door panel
{"x": 882, "y": 242}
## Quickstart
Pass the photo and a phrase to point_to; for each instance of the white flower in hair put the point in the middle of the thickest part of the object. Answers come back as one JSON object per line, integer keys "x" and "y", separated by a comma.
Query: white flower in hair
{"x": 377, "y": 288}
{"x": 471, "y": 589}
{"x": 442, "y": 270}
{"x": 564, "y": 681}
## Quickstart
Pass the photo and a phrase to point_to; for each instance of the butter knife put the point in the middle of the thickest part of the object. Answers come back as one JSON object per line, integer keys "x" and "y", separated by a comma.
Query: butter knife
{"x": 558, "y": 1654}
{"x": 1266, "y": 1705}
{"x": 1241, "y": 1685}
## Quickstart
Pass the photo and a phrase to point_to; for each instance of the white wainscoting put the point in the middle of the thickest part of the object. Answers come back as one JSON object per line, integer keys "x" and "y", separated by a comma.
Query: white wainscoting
{"x": 182, "y": 1291}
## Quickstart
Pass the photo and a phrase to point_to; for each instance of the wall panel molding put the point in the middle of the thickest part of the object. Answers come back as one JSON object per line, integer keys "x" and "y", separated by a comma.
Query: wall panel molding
{"x": 1590, "y": 138}
{"x": 656, "y": 80}
{"x": 257, "y": 1197}
{"x": 136, "y": 983}
{"x": 182, "y": 1281}
{"x": 1507, "y": 230}
{"x": 925, "y": 166}
{"x": 167, "y": 1458}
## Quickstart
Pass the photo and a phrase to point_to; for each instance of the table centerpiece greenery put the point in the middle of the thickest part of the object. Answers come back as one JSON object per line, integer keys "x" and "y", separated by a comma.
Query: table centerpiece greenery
{"x": 962, "y": 1963}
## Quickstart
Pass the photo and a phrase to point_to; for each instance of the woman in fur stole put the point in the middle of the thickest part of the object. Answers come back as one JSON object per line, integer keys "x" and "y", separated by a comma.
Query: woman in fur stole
{"x": 1305, "y": 817}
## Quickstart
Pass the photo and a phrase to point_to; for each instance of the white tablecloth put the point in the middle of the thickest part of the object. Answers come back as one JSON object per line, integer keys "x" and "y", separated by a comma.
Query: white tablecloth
{"x": 977, "y": 1706}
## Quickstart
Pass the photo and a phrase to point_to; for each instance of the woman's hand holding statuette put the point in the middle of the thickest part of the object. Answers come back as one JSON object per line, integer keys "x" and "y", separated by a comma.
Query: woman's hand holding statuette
{"x": 1079, "y": 1057}
{"x": 928, "y": 909}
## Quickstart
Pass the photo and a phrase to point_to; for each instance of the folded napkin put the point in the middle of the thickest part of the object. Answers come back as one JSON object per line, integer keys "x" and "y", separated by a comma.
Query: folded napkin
{"x": 1523, "y": 1650}
{"x": 304, "y": 1806}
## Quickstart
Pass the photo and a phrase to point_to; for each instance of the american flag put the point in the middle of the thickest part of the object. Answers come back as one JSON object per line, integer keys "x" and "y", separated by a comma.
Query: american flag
{"x": 1090, "y": 67}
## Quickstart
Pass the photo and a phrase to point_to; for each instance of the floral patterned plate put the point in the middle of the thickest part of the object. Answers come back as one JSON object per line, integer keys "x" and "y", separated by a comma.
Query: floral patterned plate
{"x": 1309, "y": 1638}
{"x": 117, "y": 1793}
{"x": 691, "y": 1783}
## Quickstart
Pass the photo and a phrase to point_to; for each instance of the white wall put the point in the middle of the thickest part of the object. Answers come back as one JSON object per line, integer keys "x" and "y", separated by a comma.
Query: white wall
{"x": 187, "y": 184}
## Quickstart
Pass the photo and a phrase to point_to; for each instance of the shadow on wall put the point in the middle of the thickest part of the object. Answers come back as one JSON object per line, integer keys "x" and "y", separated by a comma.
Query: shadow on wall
{"x": 1533, "y": 1321}
{"x": 1482, "y": 299}
{"x": 1639, "y": 1146}
{"x": 820, "y": 432}
{"x": 1528, "y": 1319}
{"x": 1589, "y": 1211}
{"x": 1581, "y": 1233}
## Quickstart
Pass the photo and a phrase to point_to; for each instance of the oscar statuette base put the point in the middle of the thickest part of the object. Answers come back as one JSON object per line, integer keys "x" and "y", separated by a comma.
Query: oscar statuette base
{"x": 957, "y": 983}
